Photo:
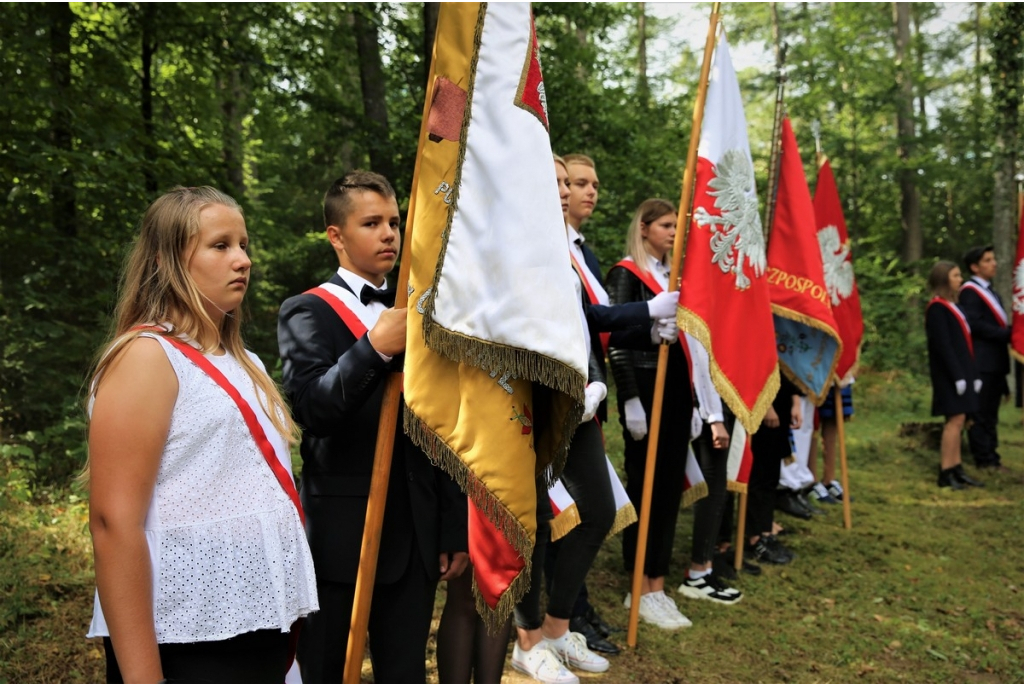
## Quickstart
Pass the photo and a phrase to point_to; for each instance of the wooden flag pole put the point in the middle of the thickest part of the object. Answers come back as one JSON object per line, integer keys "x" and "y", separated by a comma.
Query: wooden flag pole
{"x": 843, "y": 473}
{"x": 367, "y": 574}
{"x": 659, "y": 382}
{"x": 741, "y": 531}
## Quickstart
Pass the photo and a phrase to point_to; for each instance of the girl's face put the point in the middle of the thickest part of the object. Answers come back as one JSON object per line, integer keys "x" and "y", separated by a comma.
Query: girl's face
{"x": 955, "y": 279}
{"x": 562, "y": 176}
{"x": 219, "y": 264}
{"x": 659, "y": 235}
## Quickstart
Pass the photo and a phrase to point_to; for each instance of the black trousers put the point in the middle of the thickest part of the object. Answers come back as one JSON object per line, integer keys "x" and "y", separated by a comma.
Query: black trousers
{"x": 400, "y": 616}
{"x": 257, "y": 657}
{"x": 586, "y": 478}
{"x": 983, "y": 435}
{"x": 669, "y": 471}
{"x": 769, "y": 446}
{"x": 707, "y": 512}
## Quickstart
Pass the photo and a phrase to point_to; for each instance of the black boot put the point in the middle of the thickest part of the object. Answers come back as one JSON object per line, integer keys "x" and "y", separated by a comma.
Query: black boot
{"x": 958, "y": 473}
{"x": 948, "y": 479}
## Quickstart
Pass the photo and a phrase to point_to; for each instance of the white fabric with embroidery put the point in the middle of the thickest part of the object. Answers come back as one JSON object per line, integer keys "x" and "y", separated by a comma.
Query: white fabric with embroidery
{"x": 228, "y": 551}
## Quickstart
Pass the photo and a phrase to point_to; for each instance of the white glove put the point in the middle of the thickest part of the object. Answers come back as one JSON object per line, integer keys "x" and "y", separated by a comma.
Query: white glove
{"x": 663, "y": 305}
{"x": 977, "y": 385}
{"x": 668, "y": 331}
{"x": 961, "y": 387}
{"x": 696, "y": 425}
{"x": 847, "y": 382}
{"x": 636, "y": 418}
{"x": 655, "y": 335}
{"x": 592, "y": 396}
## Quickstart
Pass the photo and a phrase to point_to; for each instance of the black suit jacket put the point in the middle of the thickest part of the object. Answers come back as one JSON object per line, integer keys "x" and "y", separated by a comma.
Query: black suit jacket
{"x": 334, "y": 384}
{"x": 630, "y": 316}
{"x": 949, "y": 360}
{"x": 990, "y": 336}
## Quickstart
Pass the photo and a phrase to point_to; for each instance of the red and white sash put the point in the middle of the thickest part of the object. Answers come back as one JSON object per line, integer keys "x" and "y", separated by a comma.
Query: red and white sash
{"x": 255, "y": 429}
{"x": 964, "y": 326}
{"x": 352, "y": 312}
{"x": 990, "y": 300}
{"x": 592, "y": 297}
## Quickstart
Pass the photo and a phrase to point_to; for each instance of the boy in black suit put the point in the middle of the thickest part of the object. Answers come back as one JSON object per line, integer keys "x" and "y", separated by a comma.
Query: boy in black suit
{"x": 337, "y": 343}
{"x": 990, "y": 334}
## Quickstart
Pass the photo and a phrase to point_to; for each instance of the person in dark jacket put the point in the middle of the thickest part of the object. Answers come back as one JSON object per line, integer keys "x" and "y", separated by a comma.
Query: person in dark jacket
{"x": 955, "y": 381}
{"x": 990, "y": 336}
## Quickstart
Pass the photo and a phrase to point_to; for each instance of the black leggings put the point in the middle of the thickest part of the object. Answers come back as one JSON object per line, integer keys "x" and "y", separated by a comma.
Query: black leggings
{"x": 586, "y": 478}
{"x": 466, "y": 652}
{"x": 257, "y": 657}
{"x": 770, "y": 446}
{"x": 707, "y": 512}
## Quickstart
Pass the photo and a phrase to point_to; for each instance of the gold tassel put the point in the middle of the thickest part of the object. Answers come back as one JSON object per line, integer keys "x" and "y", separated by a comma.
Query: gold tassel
{"x": 697, "y": 492}
{"x": 566, "y": 520}
{"x": 625, "y": 516}
{"x": 737, "y": 487}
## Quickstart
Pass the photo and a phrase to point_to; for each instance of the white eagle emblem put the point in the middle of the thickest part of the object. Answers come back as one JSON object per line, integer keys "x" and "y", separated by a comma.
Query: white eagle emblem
{"x": 1018, "y": 288}
{"x": 838, "y": 270}
{"x": 740, "y": 239}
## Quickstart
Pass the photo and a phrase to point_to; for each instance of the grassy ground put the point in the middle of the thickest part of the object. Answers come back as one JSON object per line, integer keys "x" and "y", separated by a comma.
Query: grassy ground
{"x": 925, "y": 588}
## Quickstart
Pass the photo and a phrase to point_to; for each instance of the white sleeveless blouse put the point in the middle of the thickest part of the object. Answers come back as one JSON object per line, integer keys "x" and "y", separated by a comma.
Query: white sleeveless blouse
{"x": 228, "y": 551}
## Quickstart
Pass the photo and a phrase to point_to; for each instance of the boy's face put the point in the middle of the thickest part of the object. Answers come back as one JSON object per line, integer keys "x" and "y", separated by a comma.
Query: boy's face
{"x": 583, "y": 185}
{"x": 369, "y": 243}
{"x": 986, "y": 266}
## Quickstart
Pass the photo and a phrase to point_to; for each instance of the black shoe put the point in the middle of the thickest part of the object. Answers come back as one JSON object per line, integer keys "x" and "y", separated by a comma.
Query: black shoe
{"x": 765, "y": 552}
{"x": 750, "y": 568}
{"x": 722, "y": 565}
{"x": 594, "y": 619}
{"x": 787, "y": 502}
{"x": 595, "y": 642}
{"x": 948, "y": 479}
{"x": 958, "y": 473}
{"x": 774, "y": 543}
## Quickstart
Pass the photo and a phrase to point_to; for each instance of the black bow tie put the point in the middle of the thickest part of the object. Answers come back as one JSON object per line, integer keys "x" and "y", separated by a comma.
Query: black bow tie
{"x": 370, "y": 294}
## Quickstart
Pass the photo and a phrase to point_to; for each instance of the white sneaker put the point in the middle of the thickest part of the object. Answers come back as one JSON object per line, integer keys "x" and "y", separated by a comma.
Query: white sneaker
{"x": 541, "y": 664}
{"x": 652, "y": 611}
{"x": 572, "y": 649}
{"x": 670, "y": 609}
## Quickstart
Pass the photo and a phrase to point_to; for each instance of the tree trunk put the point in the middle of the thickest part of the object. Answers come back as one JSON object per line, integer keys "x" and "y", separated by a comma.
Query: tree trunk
{"x": 910, "y": 201}
{"x": 62, "y": 189}
{"x": 148, "y": 21}
{"x": 371, "y": 79}
{"x": 430, "y": 13}
{"x": 642, "y": 87}
{"x": 1007, "y": 71}
{"x": 232, "y": 107}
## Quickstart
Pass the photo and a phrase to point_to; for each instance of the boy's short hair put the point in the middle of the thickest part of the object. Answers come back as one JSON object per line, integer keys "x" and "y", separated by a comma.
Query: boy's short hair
{"x": 338, "y": 198}
{"x": 577, "y": 158}
{"x": 974, "y": 255}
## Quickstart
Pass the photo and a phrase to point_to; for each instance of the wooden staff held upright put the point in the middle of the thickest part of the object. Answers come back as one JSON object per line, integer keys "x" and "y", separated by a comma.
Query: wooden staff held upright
{"x": 682, "y": 221}
{"x": 389, "y": 407}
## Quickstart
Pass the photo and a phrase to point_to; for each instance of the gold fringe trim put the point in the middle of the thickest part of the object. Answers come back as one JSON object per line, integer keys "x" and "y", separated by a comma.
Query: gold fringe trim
{"x": 737, "y": 487}
{"x": 695, "y": 493}
{"x": 625, "y": 516}
{"x": 785, "y": 313}
{"x": 566, "y": 520}
{"x": 496, "y": 512}
{"x": 504, "y": 359}
{"x": 689, "y": 322}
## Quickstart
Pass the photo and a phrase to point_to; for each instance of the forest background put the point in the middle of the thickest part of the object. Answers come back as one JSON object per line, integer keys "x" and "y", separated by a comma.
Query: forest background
{"x": 106, "y": 105}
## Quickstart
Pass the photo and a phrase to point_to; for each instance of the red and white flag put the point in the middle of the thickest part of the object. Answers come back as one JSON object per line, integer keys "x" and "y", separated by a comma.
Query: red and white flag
{"x": 1017, "y": 330}
{"x": 837, "y": 261}
{"x": 741, "y": 458}
{"x": 723, "y": 297}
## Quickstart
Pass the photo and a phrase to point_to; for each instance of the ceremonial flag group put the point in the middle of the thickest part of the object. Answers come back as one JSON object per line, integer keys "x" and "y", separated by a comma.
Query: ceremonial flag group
{"x": 496, "y": 363}
{"x": 837, "y": 262}
{"x": 723, "y": 299}
{"x": 808, "y": 343}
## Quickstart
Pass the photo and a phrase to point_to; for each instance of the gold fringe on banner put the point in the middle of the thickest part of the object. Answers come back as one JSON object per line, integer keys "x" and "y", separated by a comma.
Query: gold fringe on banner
{"x": 697, "y": 492}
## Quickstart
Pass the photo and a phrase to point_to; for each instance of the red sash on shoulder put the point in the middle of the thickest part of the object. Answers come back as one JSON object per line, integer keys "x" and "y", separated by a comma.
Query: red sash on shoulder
{"x": 591, "y": 296}
{"x": 258, "y": 434}
{"x": 341, "y": 309}
{"x": 961, "y": 319}
{"x": 986, "y": 297}
{"x": 651, "y": 282}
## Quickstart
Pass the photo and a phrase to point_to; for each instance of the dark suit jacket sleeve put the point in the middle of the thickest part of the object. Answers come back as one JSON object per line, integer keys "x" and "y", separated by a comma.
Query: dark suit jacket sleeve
{"x": 324, "y": 387}
{"x": 624, "y": 287}
{"x": 453, "y": 528}
{"x": 980, "y": 318}
{"x": 939, "y": 325}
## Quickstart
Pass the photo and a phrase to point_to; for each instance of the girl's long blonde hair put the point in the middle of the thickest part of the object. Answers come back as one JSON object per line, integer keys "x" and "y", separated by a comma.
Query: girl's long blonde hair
{"x": 156, "y": 288}
{"x": 648, "y": 211}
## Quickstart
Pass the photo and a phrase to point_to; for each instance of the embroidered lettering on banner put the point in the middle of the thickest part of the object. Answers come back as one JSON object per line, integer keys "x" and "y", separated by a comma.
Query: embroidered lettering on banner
{"x": 445, "y": 188}
{"x": 797, "y": 284}
{"x": 422, "y": 299}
